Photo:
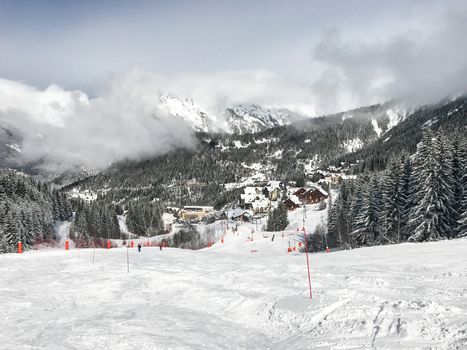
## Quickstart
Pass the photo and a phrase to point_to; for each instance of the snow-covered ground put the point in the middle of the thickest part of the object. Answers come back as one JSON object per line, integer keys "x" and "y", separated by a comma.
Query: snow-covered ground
{"x": 237, "y": 294}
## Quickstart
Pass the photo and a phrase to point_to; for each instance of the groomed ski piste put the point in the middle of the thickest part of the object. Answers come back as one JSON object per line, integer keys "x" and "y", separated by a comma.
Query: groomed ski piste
{"x": 240, "y": 294}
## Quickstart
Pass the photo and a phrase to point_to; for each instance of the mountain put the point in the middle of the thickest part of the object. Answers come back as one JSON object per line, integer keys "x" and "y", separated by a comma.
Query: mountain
{"x": 10, "y": 149}
{"x": 448, "y": 114}
{"x": 186, "y": 109}
{"x": 213, "y": 171}
{"x": 238, "y": 119}
{"x": 253, "y": 118}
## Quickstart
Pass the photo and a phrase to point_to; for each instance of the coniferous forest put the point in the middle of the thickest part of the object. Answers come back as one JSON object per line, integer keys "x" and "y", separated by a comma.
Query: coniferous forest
{"x": 28, "y": 211}
{"x": 417, "y": 198}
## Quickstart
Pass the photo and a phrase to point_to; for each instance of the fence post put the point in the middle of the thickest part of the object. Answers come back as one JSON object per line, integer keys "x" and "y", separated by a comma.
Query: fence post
{"x": 127, "y": 261}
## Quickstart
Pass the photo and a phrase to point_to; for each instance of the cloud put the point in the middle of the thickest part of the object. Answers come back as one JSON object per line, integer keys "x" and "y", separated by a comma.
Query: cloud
{"x": 420, "y": 57}
{"x": 128, "y": 119}
{"x": 68, "y": 129}
{"x": 219, "y": 90}
{"x": 420, "y": 62}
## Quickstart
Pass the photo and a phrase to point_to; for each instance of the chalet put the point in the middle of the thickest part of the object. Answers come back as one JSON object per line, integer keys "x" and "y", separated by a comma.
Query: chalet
{"x": 273, "y": 189}
{"x": 292, "y": 202}
{"x": 315, "y": 195}
{"x": 250, "y": 194}
{"x": 190, "y": 212}
{"x": 239, "y": 215}
{"x": 300, "y": 192}
{"x": 254, "y": 198}
{"x": 260, "y": 205}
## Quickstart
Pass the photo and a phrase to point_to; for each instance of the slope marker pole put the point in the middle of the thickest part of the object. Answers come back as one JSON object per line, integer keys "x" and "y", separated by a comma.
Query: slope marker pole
{"x": 127, "y": 261}
{"x": 307, "y": 262}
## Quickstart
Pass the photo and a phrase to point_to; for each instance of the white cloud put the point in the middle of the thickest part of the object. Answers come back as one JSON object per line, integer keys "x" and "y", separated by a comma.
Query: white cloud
{"x": 67, "y": 128}
{"x": 421, "y": 60}
{"x": 421, "y": 57}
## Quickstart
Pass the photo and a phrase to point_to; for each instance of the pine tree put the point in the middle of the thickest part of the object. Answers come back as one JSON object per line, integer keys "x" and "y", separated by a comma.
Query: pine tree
{"x": 392, "y": 203}
{"x": 462, "y": 221}
{"x": 5, "y": 247}
{"x": 462, "y": 229}
{"x": 446, "y": 185}
{"x": 407, "y": 201}
{"x": 368, "y": 230}
{"x": 427, "y": 214}
{"x": 282, "y": 217}
{"x": 271, "y": 223}
{"x": 357, "y": 203}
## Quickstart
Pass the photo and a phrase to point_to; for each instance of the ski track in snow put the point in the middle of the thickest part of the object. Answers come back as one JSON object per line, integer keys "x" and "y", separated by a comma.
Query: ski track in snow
{"x": 391, "y": 297}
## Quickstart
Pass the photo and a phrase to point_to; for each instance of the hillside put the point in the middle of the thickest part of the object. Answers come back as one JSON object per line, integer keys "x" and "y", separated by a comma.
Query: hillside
{"x": 449, "y": 115}
{"x": 399, "y": 296}
{"x": 283, "y": 152}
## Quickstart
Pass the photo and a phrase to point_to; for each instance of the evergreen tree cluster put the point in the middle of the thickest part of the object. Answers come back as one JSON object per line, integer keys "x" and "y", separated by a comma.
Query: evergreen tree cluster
{"x": 278, "y": 219}
{"x": 145, "y": 219}
{"x": 94, "y": 220}
{"x": 28, "y": 211}
{"x": 419, "y": 198}
{"x": 187, "y": 238}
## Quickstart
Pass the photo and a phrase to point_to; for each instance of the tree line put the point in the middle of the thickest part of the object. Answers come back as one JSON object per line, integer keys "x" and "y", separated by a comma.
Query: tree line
{"x": 28, "y": 211}
{"x": 417, "y": 198}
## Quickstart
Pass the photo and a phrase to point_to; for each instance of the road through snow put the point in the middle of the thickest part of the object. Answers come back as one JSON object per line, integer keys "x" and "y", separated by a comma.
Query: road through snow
{"x": 391, "y": 297}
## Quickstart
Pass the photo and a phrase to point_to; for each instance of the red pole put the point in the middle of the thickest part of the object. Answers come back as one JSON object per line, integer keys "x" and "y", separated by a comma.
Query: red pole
{"x": 67, "y": 245}
{"x": 307, "y": 262}
{"x": 20, "y": 248}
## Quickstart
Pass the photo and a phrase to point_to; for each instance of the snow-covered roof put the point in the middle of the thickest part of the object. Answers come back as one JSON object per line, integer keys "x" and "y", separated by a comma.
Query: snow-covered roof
{"x": 322, "y": 191}
{"x": 275, "y": 184}
{"x": 295, "y": 199}
{"x": 300, "y": 191}
{"x": 252, "y": 190}
{"x": 251, "y": 193}
{"x": 323, "y": 172}
{"x": 260, "y": 203}
{"x": 235, "y": 213}
{"x": 349, "y": 177}
{"x": 197, "y": 208}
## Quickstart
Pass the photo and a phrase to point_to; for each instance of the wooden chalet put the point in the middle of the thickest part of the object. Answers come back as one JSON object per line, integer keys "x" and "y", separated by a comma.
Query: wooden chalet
{"x": 291, "y": 204}
{"x": 315, "y": 195}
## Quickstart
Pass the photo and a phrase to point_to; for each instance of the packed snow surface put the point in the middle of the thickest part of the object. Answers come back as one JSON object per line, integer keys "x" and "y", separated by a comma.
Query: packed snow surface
{"x": 240, "y": 294}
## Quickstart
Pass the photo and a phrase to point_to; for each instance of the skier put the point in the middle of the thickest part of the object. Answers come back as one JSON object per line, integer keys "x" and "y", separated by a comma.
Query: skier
{"x": 139, "y": 247}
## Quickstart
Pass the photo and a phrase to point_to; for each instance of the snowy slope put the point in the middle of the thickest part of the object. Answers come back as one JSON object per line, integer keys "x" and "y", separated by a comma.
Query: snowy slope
{"x": 237, "y": 295}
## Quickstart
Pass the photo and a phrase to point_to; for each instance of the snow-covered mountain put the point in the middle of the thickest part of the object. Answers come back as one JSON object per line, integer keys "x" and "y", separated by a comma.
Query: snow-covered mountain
{"x": 186, "y": 109}
{"x": 254, "y": 118}
{"x": 239, "y": 119}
